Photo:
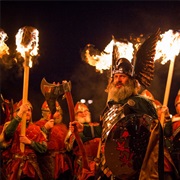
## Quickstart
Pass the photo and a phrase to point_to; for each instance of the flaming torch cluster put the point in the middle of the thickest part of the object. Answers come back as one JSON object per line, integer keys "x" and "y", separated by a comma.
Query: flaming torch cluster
{"x": 27, "y": 40}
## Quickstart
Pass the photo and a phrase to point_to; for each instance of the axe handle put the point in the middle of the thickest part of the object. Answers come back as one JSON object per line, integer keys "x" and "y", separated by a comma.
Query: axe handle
{"x": 78, "y": 139}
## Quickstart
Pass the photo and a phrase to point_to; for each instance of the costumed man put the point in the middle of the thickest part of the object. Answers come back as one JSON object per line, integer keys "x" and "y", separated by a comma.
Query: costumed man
{"x": 131, "y": 136}
{"x": 24, "y": 165}
{"x": 174, "y": 133}
{"x": 83, "y": 116}
{"x": 55, "y": 163}
{"x": 170, "y": 170}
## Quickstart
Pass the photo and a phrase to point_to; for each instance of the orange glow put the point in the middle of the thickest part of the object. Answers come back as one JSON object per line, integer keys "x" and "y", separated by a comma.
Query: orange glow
{"x": 168, "y": 47}
{"x": 27, "y": 40}
{"x": 104, "y": 60}
{"x": 4, "y": 49}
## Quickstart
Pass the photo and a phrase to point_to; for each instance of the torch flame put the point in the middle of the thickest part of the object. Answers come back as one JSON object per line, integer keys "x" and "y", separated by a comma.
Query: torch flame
{"x": 104, "y": 60}
{"x": 27, "y": 40}
{"x": 4, "y": 49}
{"x": 168, "y": 47}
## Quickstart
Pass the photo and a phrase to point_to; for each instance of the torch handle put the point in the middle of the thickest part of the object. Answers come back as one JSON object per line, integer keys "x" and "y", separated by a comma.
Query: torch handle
{"x": 167, "y": 90}
{"x": 24, "y": 100}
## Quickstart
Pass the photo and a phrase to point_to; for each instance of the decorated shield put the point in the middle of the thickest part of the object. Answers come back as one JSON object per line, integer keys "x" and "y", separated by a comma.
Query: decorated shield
{"x": 126, "y": 143}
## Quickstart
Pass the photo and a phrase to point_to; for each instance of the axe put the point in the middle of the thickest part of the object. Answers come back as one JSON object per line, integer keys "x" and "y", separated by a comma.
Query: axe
{"x": 51, "y": 93}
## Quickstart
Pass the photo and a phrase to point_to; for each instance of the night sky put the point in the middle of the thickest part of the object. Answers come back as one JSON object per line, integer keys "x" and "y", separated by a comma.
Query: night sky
{"x": 65, "y": 28}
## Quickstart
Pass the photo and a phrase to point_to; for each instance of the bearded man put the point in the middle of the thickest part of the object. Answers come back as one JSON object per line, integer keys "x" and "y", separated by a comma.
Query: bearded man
{"x": 83, "y": 116}
{"x": 24, "y": 165}
{"x": 130, "y": 142}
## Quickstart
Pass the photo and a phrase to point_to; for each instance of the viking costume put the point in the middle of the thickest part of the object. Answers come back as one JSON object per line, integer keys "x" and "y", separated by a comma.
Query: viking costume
{"x": 131, "y": 139}
{"x": 129, "y": 127}
{"x": 55, "y": 162}
{"x": 24, "y": 164}
{"x": 170, "y": 170}
{"x": 90, "y": 146}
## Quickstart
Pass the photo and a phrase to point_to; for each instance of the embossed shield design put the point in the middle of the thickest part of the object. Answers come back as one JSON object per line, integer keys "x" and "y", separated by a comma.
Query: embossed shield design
{"x": 126, "y": 144}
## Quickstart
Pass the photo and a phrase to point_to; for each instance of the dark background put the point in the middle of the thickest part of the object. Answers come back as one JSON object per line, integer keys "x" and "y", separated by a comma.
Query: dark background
{"x": 65, "y": 27}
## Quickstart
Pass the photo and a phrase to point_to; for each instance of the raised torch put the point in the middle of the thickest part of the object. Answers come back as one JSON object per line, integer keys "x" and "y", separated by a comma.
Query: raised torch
{"x": 168, "y": 47}
{"x": 27, "y": 40}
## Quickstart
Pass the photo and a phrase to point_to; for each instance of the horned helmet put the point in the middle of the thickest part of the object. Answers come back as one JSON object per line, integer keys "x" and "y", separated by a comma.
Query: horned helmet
{"x": 45, "y": 107}
{"x": 141, "y": 67}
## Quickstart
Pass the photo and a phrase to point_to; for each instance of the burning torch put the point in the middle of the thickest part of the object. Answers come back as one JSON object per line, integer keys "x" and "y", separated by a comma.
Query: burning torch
{"x": 27, "y": 40}
{"x": 102, "y": 60}
{"x": 4, "y": 49}
{"x": 168, "y": 47}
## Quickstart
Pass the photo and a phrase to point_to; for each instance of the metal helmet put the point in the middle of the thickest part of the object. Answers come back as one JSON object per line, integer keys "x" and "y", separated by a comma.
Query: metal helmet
{"x": 80, "y": 107}
{"x": 122, "y": 66}
{"x": 177, "y": 99}
{"x": 17, "y": 105}
{"x": 45, "y": 107}
{"x": 148, "y": 95}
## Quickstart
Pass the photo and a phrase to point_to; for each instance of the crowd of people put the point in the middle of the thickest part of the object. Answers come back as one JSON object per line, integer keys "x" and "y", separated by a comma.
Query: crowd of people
{"x": 129, "y": 142}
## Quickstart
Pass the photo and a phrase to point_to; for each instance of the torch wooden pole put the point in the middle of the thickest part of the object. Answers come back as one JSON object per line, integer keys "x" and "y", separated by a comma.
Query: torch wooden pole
{"x": 167, "y": 90}
{"x": 24, "y": 100}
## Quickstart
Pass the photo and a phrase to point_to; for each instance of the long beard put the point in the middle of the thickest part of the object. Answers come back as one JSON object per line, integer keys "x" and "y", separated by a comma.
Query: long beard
{"x": 118, "y": 94}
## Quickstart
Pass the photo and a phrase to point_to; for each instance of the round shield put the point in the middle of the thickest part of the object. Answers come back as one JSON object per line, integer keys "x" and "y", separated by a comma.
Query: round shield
{"x": 126, "y": 144}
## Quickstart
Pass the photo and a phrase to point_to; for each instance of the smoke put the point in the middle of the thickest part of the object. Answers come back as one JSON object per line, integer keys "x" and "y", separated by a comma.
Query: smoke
{"x": 90, "y": 85}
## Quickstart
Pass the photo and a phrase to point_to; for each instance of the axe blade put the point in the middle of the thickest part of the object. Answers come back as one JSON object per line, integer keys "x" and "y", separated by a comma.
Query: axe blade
{"x": 46, "y": 87}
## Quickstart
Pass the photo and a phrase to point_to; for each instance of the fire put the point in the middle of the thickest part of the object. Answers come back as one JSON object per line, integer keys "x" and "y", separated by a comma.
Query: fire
{"x": 27, "y": 40}
{"x": 168, "y": 47}
{"x": 4, "y": 49}
{"x": 104, "y": 60}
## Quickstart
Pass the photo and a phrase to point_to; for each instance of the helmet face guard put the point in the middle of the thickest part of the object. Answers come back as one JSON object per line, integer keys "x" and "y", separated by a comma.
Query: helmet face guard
{"x": 122, "y": 66}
